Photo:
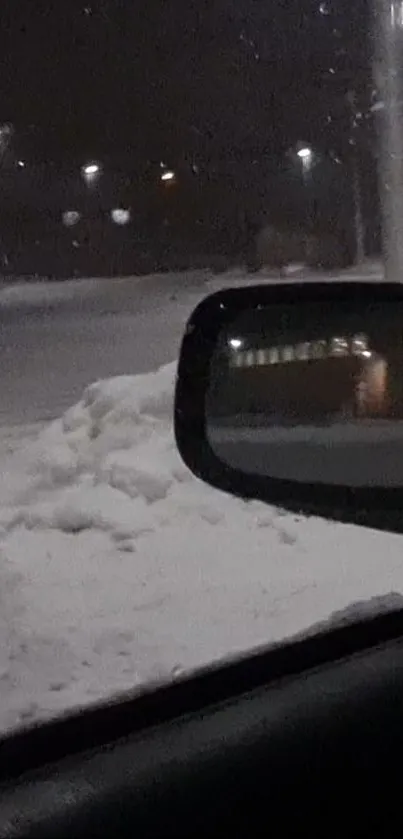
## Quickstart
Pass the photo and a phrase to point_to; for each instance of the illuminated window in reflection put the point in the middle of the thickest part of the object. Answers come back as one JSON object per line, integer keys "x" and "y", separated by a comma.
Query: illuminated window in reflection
{"x": 302, "y": 352}
{"x": 288, "y": 354}
{"x": 319, "y": 349}
{"x": 339, "y": 346}
{"x": 359, "y": 344}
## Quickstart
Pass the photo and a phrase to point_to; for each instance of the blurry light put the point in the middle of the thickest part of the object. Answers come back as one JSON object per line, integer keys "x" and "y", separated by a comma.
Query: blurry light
{"x": 323, "y": 9}
{"x": 120, "y": 216}
{"x": 91, "y": 172}
{"x": 339, "y": 346}
{"x": 367, "y": 354}
{"x": 91, "y": 169}
{"x": 169, "y": 175}
{"x": 236, "y": 343}
{"x": 21, "y": 164}
{"x": 304, "y": 153}
{"x": 288, "y": 353}
{"x": 70, "y": 218}
{"x": 360, "y": 344}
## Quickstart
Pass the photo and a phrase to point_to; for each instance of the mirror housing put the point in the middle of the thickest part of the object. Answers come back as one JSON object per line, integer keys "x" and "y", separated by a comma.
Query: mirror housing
{"x": 379, "y": 506}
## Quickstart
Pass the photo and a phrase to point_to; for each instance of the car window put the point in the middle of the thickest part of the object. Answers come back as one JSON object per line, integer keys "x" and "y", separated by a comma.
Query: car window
{"x": 145, "y": 161}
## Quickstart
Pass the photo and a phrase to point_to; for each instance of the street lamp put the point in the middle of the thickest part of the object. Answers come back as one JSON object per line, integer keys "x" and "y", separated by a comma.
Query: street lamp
{"x": 359, "y": 226}
{"x": 121, "y": 216}
{"x": 169, "y": 175}
{"x": 91, "y": 172}
{"x": 70, "y": 218}
{"x": 305, "y": 155}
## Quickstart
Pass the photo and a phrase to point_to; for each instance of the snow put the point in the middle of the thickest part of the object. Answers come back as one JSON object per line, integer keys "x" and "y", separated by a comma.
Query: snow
{"x": 119, "y": 568}
{"x": 53, "y": 347}
{"x": 58, "y": 337}
{"x": 41, "y": 292}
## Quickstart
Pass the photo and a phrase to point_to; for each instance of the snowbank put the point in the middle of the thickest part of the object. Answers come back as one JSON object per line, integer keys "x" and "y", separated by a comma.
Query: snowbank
{"x": 118, "y": 567}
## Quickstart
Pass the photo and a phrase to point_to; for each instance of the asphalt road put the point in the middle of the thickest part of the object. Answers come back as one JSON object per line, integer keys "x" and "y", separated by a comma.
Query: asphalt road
{"x": 368, "y": 463}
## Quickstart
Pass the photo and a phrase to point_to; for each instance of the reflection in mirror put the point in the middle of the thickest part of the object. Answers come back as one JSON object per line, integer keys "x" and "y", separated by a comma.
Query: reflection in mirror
{"x": 311, "y": 392}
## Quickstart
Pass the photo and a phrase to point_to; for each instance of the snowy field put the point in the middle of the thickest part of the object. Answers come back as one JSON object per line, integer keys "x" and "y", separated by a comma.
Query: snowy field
{"x": 118, "y": 567}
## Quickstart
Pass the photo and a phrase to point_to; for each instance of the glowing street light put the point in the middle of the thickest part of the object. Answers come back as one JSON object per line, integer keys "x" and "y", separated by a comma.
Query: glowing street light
{"x": 70, "y": 218}
{"x": 91, "y": 172}
{"x": 305, "y": 153}
{"x": 121, "y": 216}
{"x": 91, "y": 169}
{"x": 169, "y": 175}
{"x": 236, "y": 343}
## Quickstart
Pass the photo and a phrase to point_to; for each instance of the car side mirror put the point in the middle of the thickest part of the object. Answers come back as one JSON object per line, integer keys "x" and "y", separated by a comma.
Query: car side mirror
{"x": 293, "y": 394}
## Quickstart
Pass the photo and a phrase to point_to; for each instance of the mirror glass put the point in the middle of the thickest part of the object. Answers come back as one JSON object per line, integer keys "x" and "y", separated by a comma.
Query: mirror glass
{"x": 311, "y": 392}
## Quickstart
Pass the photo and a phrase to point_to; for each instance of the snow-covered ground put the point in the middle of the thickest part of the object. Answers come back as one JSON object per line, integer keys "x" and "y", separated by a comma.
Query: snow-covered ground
{"x": 119, "y": 567}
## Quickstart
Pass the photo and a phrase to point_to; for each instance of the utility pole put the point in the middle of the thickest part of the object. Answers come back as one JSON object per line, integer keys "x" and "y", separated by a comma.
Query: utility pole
{"x": 388, "y": 72}
{"x": 358, "y": 216}
{"x": 359, "y": 226}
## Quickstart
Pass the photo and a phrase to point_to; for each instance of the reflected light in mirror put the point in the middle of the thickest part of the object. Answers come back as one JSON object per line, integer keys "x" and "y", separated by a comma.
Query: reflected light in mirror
{"x": 311, "y": 393}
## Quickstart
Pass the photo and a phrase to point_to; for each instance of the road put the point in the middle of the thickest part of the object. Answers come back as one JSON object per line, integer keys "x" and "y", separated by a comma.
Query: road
{"x": 358, "y": 453}
{"x": 371, "y": 463}
{"x": 56, "y": 338}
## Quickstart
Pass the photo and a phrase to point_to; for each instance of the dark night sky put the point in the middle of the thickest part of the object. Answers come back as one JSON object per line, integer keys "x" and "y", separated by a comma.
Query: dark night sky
{"x": 165, "y": 77}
